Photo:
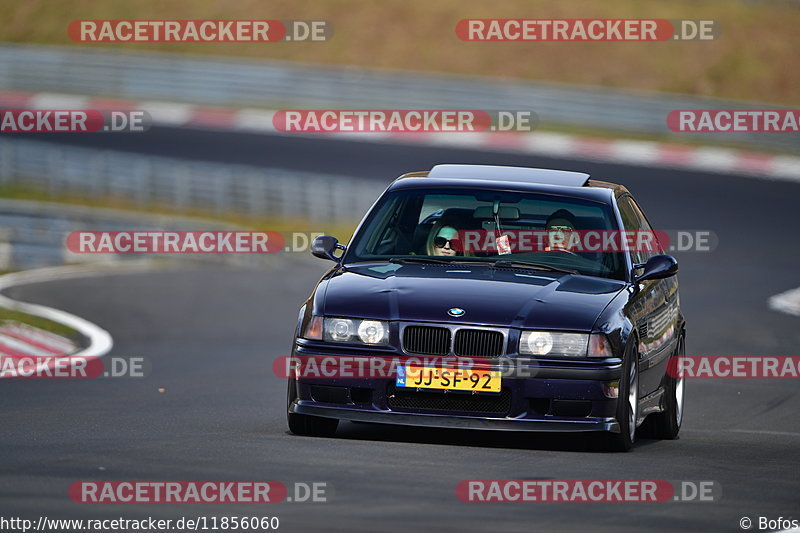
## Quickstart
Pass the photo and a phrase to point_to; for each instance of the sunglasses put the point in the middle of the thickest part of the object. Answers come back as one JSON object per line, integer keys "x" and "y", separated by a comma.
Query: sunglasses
{"x": 440, "y": 242}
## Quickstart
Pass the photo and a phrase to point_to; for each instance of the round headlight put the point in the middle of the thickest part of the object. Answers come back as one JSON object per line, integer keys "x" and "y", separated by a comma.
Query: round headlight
{"x": 540, "y": 342}
{"x": 339, "y": 329}
{"x": 573, "y": 344}
{"x": 371, "y": 332}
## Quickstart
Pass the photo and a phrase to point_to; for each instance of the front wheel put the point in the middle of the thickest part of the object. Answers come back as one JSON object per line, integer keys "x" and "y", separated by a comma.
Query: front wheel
{"x": 667, "y": 424}
{"x": 627, "y": 404}
{"x": 307, "y": 425}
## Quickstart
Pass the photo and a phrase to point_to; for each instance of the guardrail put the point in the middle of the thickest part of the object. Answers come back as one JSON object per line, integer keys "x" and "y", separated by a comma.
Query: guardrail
{"x": 273, "y": 85}
{"x": 184, "y": 184}
{"x": 34, "y": 234}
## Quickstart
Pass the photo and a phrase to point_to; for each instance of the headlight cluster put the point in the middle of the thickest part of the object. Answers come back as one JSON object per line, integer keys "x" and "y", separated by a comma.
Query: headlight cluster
{"x": 558, "y": 344}
{"x": 349, "y": 330}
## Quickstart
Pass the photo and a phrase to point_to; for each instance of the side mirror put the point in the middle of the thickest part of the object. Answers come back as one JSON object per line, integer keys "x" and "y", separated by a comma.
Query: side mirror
{"x": 658, "y": 267}
{"x": 324, "y": 247}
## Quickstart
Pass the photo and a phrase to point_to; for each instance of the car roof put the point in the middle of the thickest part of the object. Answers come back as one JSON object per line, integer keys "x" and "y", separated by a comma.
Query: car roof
{"x": 493, "y": 172}
{"x": 523, "y": 179}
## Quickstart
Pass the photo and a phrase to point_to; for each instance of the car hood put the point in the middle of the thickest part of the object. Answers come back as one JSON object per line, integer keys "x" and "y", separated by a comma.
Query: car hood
{"x": 498, "y": 297}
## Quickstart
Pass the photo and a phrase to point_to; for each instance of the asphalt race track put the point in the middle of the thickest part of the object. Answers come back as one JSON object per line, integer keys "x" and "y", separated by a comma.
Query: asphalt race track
{"x": 210, "y": 335}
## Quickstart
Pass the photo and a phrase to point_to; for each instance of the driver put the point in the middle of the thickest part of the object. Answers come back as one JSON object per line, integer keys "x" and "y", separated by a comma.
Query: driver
{"x": 559, "y": 226}
{"x": 443, "y": 240}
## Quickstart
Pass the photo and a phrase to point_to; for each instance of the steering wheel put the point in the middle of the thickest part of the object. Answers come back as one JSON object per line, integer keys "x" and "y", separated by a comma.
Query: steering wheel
{"x": 563, "y": 250}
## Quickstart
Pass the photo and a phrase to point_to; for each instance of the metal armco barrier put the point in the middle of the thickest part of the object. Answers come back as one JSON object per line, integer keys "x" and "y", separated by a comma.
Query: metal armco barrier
{"x": 183, "y": 184}
{"x": 236, "y": 82}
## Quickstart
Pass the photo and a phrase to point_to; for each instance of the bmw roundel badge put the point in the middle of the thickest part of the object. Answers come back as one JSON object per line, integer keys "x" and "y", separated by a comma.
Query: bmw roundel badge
{"x": 456, "y": 312}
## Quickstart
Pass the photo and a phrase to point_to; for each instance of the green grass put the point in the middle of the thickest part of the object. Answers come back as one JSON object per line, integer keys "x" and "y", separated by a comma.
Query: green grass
{"x": 19, "y": 191}
{"x": 7, "y": 315}
{"x": 752, "y": 59}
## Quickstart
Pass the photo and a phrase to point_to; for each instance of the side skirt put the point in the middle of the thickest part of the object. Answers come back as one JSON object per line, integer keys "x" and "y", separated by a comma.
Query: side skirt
{"x": 650, "y": 404}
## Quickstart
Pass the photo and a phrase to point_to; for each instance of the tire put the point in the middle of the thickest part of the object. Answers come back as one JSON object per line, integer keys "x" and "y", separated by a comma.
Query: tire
{"x": 307, "y": 425}
{"x": 627, "y": 404}
{"x": 667, "y": 424}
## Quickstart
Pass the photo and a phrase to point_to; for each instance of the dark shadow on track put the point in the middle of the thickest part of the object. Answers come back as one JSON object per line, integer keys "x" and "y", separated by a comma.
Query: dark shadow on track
{"x": 513, "y": 440}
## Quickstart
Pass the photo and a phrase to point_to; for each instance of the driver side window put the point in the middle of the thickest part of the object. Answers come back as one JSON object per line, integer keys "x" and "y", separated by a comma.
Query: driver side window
{"x": 634, "y": 220}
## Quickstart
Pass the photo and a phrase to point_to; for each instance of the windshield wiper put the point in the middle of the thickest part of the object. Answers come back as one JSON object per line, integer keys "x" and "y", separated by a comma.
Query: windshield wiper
{"x": 419, "y": 260}
{"x": 500, "y": 263}
{"x": 506, "y": 263}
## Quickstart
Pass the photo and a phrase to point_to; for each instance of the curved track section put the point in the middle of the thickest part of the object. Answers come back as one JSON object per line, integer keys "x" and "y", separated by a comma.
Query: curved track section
{"x": 212, "y": 409}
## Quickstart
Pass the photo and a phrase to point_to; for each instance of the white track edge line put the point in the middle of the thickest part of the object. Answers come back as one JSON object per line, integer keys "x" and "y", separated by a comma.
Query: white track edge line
{"x": 100, "y": 340}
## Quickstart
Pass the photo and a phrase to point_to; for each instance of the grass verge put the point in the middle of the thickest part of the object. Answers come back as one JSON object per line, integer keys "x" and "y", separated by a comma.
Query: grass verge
{"x": 751, "y": 60}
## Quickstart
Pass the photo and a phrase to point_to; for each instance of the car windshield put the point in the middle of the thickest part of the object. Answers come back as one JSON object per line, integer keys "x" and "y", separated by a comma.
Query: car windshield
{"x": 507, "y": 229}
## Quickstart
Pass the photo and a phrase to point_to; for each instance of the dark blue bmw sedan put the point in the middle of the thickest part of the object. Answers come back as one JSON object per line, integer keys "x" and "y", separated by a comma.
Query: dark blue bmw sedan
{"x": 495, "y": 298}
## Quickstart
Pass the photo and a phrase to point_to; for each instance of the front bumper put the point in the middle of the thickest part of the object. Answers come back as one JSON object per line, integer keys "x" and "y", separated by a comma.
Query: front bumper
{"x": 559, "y": 396}
{"x": 453, "y": 421}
